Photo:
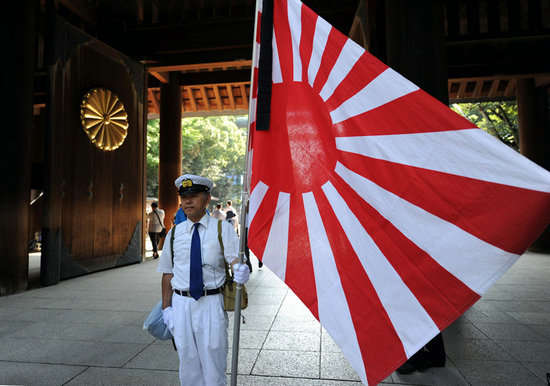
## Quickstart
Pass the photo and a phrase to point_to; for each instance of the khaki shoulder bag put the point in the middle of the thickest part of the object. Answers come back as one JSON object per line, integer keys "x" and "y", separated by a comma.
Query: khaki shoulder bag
{"x": 229, "y": 289}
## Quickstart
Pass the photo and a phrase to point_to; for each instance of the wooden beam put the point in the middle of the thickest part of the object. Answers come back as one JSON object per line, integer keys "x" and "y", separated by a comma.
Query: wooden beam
{"x": 243, "y": 93}
{"x": 477, "y": 88}
{"x": 230, "y": 96}
{"x": 503, "y": 76}
{"x": 204, "y": 97}
{"x": 218, "y": 99}
{"x": 461, "y": 89}
{"x": 161, "y": 76}
{"x": 154, "y": 101}
{"x": 81, "y": 8}
{"x": 493, "y": 90}
{"x": 192, "y": 98}
{"x": 203, "y": 66}
{"x": 510, "y": 88}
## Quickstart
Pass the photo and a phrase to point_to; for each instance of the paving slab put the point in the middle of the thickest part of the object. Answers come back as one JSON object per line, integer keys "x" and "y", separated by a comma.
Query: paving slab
{"x": 287, "y": 363}
{"x": 37, "y": 374}
{"x": 124, "y": 377}
{"x": 155, "y": 357}
{"x": 481, "y": 373}
{"x": 67, "y": 352}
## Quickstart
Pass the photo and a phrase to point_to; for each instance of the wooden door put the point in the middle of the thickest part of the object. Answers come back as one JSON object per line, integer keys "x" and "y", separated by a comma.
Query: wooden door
{"x": 95, "y": 197}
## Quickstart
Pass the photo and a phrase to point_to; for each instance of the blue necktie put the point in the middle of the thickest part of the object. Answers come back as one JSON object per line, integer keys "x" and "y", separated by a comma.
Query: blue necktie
{"x": 195, "y": 272}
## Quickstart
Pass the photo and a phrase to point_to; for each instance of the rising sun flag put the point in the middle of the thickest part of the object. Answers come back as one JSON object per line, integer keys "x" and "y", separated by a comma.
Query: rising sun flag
{"x": 387, "y": 213}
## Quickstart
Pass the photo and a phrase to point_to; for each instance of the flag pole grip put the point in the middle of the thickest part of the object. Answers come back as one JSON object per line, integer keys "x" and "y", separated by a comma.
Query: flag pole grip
{"x": 236, "y": 333}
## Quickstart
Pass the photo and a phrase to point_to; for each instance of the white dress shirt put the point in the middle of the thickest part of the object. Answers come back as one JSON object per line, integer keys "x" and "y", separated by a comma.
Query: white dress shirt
{"x": 213, "y": 270}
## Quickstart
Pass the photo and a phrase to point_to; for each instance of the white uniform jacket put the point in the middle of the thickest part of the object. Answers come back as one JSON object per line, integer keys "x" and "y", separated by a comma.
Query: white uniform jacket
{"x": 213, "y": 270}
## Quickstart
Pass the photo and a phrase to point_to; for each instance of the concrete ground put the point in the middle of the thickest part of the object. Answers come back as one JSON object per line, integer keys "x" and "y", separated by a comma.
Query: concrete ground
{"x": 88, "y": 331}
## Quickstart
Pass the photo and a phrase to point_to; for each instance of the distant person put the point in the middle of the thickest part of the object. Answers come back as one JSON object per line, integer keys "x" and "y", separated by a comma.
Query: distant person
{"x": 229, "y": 208}
{"x": 218, "y": 213}
{"x": 232, "y": 219}
{"x": 181, "y": 217}
{"x": 230, "y": 212}
{"x": 155, "y": 224}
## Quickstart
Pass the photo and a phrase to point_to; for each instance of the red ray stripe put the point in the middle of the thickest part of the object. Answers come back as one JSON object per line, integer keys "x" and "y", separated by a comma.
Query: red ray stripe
{"x": 261, "y": 224}
{"x": 255, "y": 88}
{"x": 478, "y": 207}
{"x": 362, "y": 73}
{"x": 258, "y": 27}
{"x": 299, "y": 266}
{"x": 309, "y": 20}
{"x": 442, "y": 295}
{"x": 335, "y": 42}
{"x": 417, "y": 112}
{"x": 283, "y": 38}
{"x": 381, "y": 348}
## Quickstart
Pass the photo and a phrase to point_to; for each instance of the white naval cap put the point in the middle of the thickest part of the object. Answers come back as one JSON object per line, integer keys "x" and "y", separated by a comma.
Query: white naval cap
{"x": 190, "y": 183}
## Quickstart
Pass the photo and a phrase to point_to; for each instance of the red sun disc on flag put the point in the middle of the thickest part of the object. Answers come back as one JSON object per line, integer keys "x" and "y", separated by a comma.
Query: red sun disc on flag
{"x": 301, "y": 140}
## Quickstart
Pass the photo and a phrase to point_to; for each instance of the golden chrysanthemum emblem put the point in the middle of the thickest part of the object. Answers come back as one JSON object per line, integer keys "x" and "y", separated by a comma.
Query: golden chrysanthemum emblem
{"x": 104, "y": 118}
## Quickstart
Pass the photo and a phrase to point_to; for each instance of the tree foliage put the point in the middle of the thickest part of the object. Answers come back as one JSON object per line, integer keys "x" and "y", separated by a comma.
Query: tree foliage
{"x": 497, "y": 118}
{"x": 213, "y": 147}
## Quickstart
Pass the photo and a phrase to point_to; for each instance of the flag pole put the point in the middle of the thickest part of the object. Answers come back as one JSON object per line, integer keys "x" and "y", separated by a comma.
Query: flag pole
{"x": 244, "y": 214}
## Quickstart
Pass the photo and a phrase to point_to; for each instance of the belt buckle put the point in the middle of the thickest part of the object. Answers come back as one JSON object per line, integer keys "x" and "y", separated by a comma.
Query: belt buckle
{"x": 205, "y": 292}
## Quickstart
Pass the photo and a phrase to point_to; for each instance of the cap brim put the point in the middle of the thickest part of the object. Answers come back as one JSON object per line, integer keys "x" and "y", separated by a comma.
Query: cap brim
{"x": 193, "y": 189}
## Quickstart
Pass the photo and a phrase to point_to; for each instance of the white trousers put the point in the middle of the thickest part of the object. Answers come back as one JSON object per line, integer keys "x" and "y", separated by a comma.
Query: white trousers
{"x": 200, "y": 334}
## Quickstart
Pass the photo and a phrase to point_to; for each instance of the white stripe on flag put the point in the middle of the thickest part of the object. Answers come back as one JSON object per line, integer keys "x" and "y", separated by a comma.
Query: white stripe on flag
{"x": 469, "y": 153}
{"x": 334, "y": 313}
{"x": 386, "y": 87}
{"x": 259, "y": 4}
{"x": 410, "y": 320}
{"x": 347, "y": 58}
{"x": 252, "y": 117}
{"x": 277, "y": 75}
{"x": 473, "y": 261}
{"x": 256, "y": 198}
{"x": 320, "y": 37}
{"x": 276, "y": 247}
{"x": 256, "y": 56}
{"x": 295, "y": 23}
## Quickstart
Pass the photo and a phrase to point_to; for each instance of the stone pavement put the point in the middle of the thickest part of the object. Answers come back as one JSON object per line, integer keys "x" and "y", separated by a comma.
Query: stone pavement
{"x": 87, "y": 331}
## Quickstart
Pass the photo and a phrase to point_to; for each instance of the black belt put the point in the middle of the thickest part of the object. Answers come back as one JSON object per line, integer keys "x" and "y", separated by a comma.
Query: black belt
{"x": 204, "y": 292}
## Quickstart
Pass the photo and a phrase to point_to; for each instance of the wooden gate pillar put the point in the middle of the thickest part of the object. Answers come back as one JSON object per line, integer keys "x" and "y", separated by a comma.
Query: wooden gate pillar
{"x": 415, "y": 37}
{"x": 169, "y": 146}
{"x": 19, "y": 39}
{"x": 532, "y": 105}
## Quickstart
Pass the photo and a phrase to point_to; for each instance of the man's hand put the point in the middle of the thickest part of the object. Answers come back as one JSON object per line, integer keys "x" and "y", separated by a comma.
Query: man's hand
{"x": 241, "y": 273}
{"x": 168, "y": 318}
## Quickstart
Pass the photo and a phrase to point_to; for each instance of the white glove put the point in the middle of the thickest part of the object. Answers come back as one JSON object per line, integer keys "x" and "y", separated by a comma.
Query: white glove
{"x": 241, "y": 273}
{"x": 168, "y": 318}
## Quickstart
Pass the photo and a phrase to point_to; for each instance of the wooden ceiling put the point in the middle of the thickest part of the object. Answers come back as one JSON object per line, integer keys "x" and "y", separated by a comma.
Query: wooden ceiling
{"x": 489, "y": 43}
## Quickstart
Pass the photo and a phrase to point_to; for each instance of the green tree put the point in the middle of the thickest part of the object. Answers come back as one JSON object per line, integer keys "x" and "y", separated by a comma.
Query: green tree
{"x": 497, "y": 118}
{"x": 214, "y": 147}
{"x": 152, "y": 166}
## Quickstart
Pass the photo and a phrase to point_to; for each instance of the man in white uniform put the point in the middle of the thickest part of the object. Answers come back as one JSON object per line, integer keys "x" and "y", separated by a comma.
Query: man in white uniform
{"x": 191, "y": 297}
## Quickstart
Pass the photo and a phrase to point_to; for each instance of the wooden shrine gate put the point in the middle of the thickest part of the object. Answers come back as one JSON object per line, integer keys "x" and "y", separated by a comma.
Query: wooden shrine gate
{"x": 94, "y": 197}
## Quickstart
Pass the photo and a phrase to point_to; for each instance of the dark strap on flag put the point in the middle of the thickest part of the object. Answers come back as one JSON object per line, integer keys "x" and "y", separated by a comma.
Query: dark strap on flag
{"x": 265, "y": 64}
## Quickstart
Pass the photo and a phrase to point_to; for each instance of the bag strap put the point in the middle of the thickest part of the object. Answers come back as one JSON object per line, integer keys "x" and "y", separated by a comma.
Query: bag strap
{"x": 227, "y": 275}
{"x": 172, "y": 243}
{"x": 160, "y": 222}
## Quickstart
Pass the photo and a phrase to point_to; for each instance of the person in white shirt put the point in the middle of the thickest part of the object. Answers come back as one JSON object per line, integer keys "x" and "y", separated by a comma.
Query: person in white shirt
{"x": 155, "y": 223}
{"x": 218, "y": 213}
{"x": 192, "y": 278}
